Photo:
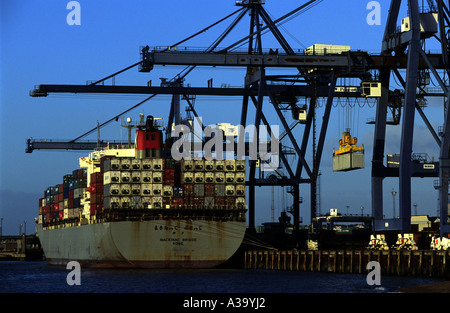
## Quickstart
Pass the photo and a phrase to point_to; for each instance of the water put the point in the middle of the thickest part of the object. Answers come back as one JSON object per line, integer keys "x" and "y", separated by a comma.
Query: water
{"x": 38, "y": 277}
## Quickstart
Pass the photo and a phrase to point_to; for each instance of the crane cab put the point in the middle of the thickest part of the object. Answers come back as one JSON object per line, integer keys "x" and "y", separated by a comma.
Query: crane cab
{"x": 300, "y": 114}
{"x": 371, "y": 89}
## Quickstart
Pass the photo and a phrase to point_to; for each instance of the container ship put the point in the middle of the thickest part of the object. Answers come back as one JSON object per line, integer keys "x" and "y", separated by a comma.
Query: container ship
{"x": 134, "y": 206}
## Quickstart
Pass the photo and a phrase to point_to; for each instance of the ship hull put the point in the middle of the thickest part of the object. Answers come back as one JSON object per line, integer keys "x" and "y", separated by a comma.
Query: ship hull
{"x": 144, "y": 244}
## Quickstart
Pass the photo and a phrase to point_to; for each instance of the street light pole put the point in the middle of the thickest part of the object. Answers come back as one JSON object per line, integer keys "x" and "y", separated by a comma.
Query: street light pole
{"x": 393, "y": 196}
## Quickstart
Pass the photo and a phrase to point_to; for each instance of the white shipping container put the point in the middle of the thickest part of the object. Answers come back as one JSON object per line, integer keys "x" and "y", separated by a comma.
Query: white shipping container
{"x": 167, "y": 191}
{"x": 209, "y": 177}
{"x": 240, "y": 178}
{"x": 188, "y": 165}
{"x": 229, "y": 177}
{"x": 230, "y": 190}
{"x": 240, "y": 202}
{"x": 125, "y": 202}
{"x": 111, "y": 202}
{"x": 199, "y": 165}
{"x": 125, "y": 189}
{"x": 157, "y": 177}
{"x": 219, "y": 177}
{"x": 240, "y": 165}
{"x": 240, "y": 190}
{"x": 111, "y": 190}
{"x": 209, "y": 165}
{"x": 321, "y": 49}
{"x": 125, "y": 177}
{"x": 135, "y": 177}
{"x": 157, "y": 202}
{"x": 157, "y": 189}
{"x": 111, "y": 177}
{"x": 199, "y": 177}
{"x": 147, "y": 202}
{"x": 146, "y": 190}
{"x": 147, "y": 176}
{"x": 136, "y": 189}
{"x": 147, "y": 164}
{"x": 125, "y": 163}
{"x": 348, "y": 161}
{"x": 135, "y": 164}
{"x": 230, "y": 165}
{"x": 158, "y": 164}
{"x": 188, "y": 177}
{"x": 219, "y": 165}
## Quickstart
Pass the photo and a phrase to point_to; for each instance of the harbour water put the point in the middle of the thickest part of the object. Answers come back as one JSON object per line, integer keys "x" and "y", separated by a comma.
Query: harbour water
{"x": 38, "y": 277}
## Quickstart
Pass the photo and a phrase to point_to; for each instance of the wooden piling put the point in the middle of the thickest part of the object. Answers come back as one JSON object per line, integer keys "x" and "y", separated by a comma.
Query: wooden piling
{"x": 425, "y": 263}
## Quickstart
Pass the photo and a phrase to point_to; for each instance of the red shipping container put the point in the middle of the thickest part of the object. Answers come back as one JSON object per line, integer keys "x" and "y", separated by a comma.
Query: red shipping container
{"x": 70, "y": 203}
{"x": 170, "y": 182}
{"x": 96, "y": 198}
{"x": 61, "y": 188}
{"x": 209, "y": 190}
{"x": 93, "y": 209}
{"x": 199, "y": 201}
{"x": 56, "y": 207}
{"x": 97, "y": 178}
{"x": 80, "y": 173}
{"x": 188, "y": 200}
{"x": 96, "y": 188}
{"x": 230, "y": 201}
{"x": 169, "y": 173}
{"x": 71, "y": 194}
{"x": 177, "y": 202}
{"x": 61, "y": 215}
{"x": 220, "y": 201}
{"x": 189, "y": 190}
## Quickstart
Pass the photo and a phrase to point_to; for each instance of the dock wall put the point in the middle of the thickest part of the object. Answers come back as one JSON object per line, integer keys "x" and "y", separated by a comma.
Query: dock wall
{"x": 425, "y": 263}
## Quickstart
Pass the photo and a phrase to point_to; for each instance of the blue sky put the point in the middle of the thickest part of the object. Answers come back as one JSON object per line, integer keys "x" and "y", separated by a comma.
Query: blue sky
{"x": 38, "y": 47}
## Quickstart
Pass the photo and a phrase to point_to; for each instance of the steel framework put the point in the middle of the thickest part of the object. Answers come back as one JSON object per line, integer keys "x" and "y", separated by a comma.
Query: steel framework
{"x": 317, "y": 78}
{"x": 409, "y": 43}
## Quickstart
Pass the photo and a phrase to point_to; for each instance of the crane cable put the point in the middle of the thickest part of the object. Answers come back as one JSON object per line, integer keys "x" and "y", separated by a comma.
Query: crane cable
{"x": 285, "y": 18}
{"x": 135, "y": 64}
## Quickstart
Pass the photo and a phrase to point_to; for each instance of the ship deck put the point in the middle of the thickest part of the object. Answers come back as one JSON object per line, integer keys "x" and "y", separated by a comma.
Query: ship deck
{"x": 117, "y": 215}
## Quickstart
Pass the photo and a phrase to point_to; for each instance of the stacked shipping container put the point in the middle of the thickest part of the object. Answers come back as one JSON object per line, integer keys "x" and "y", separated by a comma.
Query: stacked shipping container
{"x": 131, "y": 183}
{"x": 63, "y": 201}
{"x": 216, "y": 184}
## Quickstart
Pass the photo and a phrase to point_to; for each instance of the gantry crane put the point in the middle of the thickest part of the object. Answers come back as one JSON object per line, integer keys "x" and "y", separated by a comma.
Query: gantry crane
{"x": 317, "y": 78}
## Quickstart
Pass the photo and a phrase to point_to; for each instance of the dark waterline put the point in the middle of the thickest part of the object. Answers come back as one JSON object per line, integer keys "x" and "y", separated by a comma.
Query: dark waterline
{"x": 38, "y": 277}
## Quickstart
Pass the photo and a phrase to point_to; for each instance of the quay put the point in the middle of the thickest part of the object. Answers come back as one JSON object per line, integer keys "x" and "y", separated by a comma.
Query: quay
{"x": 20, "y": 248}
{"x": 418, "y": 263}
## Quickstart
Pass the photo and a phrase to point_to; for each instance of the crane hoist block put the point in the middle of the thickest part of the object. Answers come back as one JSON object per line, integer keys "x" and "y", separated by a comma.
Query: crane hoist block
{"x": 349, "y": 156}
